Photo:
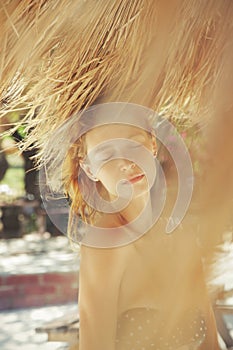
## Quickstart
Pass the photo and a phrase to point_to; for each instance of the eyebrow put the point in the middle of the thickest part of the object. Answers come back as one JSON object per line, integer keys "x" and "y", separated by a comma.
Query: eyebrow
{"x": 105, "y": 145}
{"x": 102, "y": 147}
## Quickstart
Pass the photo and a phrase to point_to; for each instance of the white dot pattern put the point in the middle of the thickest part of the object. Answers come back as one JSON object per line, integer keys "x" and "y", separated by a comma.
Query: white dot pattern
{"x": 140, "y": 328}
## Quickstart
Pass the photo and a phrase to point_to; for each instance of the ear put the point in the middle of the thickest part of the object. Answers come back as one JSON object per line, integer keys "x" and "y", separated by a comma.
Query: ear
{"x": 86, "y": 168}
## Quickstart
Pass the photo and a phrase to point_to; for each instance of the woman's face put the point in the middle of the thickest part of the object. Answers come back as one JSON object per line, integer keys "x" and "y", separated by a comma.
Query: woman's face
{"x": 111, "y": 153}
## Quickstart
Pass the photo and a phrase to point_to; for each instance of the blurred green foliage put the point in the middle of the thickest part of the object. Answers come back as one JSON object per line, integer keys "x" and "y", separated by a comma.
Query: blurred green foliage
{"x": 14, "y": 176}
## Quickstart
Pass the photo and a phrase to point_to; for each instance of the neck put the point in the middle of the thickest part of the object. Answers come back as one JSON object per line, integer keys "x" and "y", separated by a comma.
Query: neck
{"x": 135, "y": 208}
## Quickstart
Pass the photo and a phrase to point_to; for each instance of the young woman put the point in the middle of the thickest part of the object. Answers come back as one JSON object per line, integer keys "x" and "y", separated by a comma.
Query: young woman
{"x": 151, "y": 52}
{"x": 140, "y": 288}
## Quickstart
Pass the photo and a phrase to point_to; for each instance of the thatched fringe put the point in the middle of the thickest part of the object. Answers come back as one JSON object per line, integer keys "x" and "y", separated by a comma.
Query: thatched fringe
{"x": 59, "y": 56}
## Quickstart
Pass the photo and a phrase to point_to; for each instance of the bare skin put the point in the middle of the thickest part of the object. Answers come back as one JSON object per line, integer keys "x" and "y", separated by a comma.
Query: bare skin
{"x": 156, "y": 271}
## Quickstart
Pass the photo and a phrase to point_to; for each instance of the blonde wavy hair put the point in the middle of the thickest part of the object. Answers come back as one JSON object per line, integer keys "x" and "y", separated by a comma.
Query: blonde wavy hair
{"x": 79, "y": 208}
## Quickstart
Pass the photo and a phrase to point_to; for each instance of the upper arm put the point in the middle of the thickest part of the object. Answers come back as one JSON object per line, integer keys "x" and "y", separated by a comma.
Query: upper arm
{"x": 99, "y": 283}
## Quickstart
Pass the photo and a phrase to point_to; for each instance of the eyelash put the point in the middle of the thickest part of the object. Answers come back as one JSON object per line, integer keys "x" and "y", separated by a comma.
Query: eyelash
{"x": 108, "y": 156}
{"x": 104, "y": 157}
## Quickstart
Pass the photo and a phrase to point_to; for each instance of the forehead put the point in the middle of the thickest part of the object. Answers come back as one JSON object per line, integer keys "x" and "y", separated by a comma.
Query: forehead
{"x": 112, "y": 131}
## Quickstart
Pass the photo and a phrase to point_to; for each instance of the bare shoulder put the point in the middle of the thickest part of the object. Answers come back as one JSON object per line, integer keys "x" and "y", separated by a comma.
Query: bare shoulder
{"x": 105, "y": 255}
{"x": 98, "y": 262}
{"x": 112, "y": 260}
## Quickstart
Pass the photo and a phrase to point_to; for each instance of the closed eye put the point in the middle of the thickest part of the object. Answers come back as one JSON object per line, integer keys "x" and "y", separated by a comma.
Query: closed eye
{"x": 103, "y": 156}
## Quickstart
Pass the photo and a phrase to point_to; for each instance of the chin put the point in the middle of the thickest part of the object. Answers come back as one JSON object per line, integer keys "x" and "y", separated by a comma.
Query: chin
{"x": 140, "y": 192}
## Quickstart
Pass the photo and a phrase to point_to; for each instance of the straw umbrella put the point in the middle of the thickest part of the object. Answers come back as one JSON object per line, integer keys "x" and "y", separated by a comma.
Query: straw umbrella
{"x": 58, "y": 57}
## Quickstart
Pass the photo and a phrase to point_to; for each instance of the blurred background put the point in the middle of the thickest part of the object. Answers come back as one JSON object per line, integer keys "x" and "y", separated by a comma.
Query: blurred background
{"x": 38, "y": 269}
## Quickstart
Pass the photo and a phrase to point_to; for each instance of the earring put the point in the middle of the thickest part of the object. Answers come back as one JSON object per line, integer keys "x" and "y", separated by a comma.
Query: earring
{"x": 155, "y": 154}
{"x": 94, "y": 179}
{"x": 92, "y": 176}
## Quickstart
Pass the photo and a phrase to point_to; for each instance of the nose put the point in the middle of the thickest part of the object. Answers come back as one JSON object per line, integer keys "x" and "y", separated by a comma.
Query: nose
{"x": 127, "y": 166}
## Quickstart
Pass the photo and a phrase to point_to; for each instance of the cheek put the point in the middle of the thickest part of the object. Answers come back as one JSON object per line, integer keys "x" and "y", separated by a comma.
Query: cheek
{"x": 107, "y": 175}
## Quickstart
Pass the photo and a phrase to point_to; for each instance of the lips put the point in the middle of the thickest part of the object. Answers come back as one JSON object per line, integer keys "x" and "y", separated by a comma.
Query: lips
{"x": 136, "y": 178}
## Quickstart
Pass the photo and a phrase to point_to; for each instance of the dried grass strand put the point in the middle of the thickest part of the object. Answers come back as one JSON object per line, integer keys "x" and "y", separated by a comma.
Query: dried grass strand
{"x": 79, "y": 52}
